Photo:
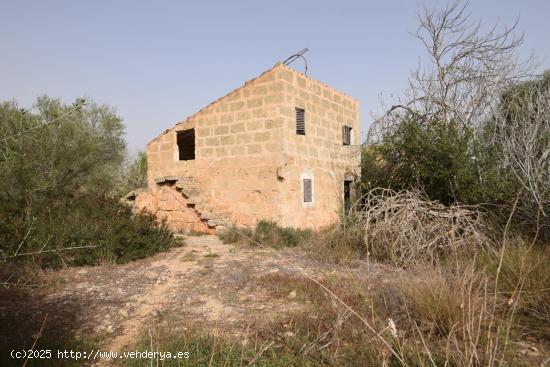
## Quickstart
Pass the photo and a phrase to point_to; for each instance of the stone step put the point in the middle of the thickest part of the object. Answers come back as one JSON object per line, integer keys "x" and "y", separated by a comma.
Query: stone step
{"x": 192, "y": 192}
{"x": 216, "y": 222}
{"x": 195, "y": 200}
{"x": 184, "y": 183}
{"x": 207, "y": 214}
{"x": 190, "y": 189}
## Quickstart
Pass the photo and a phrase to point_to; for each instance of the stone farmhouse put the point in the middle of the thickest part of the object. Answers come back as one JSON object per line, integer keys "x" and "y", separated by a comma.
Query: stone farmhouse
{"x": 282, "y": 147}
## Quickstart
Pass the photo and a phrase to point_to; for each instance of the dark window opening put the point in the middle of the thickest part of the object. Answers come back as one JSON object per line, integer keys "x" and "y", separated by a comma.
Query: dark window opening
{"x": 346, "y": 134}
{"x": 308, "y": 190}
{"x": 186, "y": 144}
{"x": 347, "y": 194}
{"x": 300, "y": 121}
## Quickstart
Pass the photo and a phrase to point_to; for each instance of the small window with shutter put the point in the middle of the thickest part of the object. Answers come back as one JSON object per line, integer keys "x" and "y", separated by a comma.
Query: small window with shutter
{"x": 346, "y": 134}
{"x": 308, "y": 190}
{"x": 300, "y": 121}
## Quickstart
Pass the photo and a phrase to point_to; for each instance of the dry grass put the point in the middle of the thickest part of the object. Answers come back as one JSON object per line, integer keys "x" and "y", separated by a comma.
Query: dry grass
{"x": 267, "y": 233}
{"x": 341, "y": 244}
{"x": 432, "y": 315}
{"x": 447, "y": 314}
{"x": 524, "y": 280}
{"x": 441, "y": 301}
{"x": 457, "y": 315}
{"x": 449, "y": 300}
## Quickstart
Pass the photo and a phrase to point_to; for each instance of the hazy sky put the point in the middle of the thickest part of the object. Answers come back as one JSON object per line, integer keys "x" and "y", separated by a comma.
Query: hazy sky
{"x": 160, "y": 61}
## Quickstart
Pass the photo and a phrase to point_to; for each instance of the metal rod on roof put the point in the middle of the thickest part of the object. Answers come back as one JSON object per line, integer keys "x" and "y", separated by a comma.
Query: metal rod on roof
{"x": 296, "y": 56}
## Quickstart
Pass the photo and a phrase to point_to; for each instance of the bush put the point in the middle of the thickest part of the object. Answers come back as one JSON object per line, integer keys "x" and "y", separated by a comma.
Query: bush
{"x": 59, "y": 171}
{"x": 90, "y": 220}
{"x": 236, "y": 235}
{"x": 267, "y": 233}
{"x": 432, "y": 156}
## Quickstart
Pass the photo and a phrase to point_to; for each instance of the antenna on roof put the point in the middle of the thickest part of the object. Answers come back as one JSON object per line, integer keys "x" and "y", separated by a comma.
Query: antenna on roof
{"x": 292, "y": 58}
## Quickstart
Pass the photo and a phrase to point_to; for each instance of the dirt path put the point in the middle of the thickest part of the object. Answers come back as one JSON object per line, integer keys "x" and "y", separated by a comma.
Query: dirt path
{"x": 205, "y": 283}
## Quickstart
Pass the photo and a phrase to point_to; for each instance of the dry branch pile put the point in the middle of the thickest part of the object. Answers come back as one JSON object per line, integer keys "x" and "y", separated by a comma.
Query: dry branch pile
{"x": 405, "y": 227}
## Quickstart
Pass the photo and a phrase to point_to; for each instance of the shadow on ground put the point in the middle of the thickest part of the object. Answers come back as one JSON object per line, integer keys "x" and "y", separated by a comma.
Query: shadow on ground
{"x": 22, "y": 314}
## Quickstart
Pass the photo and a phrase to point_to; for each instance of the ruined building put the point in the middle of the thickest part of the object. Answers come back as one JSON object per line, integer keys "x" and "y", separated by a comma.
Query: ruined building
{"x": 282, "y": 147}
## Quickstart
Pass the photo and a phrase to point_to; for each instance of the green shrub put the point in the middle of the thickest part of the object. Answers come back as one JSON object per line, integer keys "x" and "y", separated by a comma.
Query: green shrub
{"x": 89, "y": 219}
{"x": 433, "y": 156}
{"x": 59, "y": 173}
{"x": 338, "y": 243}
{"x": 267, "y": 233}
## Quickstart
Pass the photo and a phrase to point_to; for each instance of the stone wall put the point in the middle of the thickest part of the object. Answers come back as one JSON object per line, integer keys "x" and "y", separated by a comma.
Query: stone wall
{"x": 320, "y": 153}
{"x": 238, "y": 149}
{"x": 167, "y": 203}
{"x": 249, "y": 160}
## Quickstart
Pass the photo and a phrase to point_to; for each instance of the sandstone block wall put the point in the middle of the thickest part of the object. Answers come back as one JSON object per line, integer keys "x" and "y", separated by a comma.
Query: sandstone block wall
{"x": 320, "y": 153}
{"x": 238, "y": 149}
{"x": 250, "y": 162}
{"x": 168, "y": 204}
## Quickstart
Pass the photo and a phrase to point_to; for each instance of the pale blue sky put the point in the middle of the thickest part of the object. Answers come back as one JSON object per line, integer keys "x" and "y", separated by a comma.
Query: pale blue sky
{"x": 159, "y": 61}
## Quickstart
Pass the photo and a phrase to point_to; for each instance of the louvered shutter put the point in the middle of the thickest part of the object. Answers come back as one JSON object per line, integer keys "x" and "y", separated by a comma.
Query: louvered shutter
{"x": 346, "y": 135}
{"x": 300, "y": 121}
{"x": 308, "y": 191}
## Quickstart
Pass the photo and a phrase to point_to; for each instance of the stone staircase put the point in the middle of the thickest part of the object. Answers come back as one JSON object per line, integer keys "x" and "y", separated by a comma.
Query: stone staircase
{"x": 200, "y": 200}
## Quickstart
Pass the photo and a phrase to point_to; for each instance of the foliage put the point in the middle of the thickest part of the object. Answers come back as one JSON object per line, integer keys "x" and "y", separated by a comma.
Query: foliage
{"x": 59, "y": 165}
{"x": 436, "y": 158}
{"x": 521, "y": 128}
{"x": 134, "y": 174}
{"x": 98, "y": 220}
{"x": 81, "y": 149}
{"x": 267, "y": 233}
{"x": 473, "y": 124}
{"x": 339, "y": 243}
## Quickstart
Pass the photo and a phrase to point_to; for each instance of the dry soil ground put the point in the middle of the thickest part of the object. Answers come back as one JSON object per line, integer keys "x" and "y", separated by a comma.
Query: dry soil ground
{"x": 204, "y": 284}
